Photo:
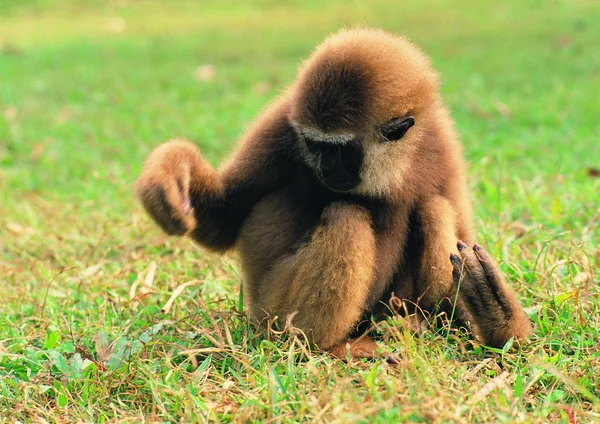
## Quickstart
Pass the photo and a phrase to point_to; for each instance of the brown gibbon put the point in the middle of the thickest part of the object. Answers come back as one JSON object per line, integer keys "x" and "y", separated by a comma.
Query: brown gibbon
{"x": 348, "y": 191}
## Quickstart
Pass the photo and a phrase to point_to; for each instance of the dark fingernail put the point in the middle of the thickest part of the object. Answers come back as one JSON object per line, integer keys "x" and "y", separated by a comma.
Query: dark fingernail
{"x": 392, "y": 359}
{"x": 476, "y": 247}
{"x": 460, "y": 245}
{"x": 453, "y": 257}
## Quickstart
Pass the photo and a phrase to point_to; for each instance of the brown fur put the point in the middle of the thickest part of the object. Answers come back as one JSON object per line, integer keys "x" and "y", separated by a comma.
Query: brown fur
{"x": 325, "y": 311}
{"x": 325, "y": 257}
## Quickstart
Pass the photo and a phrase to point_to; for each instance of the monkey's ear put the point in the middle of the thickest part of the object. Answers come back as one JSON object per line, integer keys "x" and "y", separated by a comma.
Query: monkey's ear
{"x": 396, "y": 128}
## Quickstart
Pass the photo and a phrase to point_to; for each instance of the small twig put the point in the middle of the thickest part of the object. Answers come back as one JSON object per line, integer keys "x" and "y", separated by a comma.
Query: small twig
{"x": 48, "y": 289}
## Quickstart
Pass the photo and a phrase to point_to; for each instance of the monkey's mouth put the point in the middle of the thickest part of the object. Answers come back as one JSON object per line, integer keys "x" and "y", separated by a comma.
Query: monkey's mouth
{"x": 338, "y": 182}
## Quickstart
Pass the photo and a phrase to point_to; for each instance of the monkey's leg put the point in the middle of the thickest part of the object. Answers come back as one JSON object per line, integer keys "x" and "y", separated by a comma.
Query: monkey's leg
{"x": 323, "y": 286}
{"x": 494, "y": 309}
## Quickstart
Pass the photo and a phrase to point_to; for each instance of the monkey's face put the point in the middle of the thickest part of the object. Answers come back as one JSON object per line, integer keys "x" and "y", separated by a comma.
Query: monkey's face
{"x": 337, "y": 159}
{"x": 362, "y": 107}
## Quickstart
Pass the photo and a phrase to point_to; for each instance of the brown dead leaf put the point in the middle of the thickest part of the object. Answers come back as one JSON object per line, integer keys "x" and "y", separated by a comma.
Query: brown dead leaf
{"x": 87, "y": 355}
{"x": 176, "y": 293}
{"x": 10, "y": 113}
{"x": 478, "y": 110}
{"x": 63, "y": 116}
{"x": 116, "y": 24}
{"x": 91, "y": 270}
{"x": 563, "y": 42}
{"x": 103, "y": 348}
{"x": 582, "y": 278}
{"x": 518, "y": 229}
{"x": 205, "y": 73}
{"x": 261, "y": 87}
{"x": 14, "y": 228}
{"x": 502, "y": 109}
{"x": 37, "y": 150}
{"x": 141, "y": 296}
{"x": 593, "y": 172}
{"x": 9, "y": 49}
{"x": 496, "y": 383}
{"x": 147, "y": 280}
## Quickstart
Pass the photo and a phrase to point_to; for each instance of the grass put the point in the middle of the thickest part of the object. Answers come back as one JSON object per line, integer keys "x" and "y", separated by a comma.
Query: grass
{"x": 87, "y": 91}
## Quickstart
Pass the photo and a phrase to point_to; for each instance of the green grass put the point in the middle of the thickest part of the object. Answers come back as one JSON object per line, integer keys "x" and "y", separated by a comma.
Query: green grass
{"x": 85, "y": 94}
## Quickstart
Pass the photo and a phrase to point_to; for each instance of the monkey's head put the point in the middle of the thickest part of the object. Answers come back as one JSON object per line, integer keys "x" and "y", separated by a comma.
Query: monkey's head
{"x": 362, "y": 106}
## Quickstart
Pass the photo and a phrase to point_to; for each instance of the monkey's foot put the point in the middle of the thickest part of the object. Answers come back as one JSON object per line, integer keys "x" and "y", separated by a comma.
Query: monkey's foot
{"x": 361, "y": 347}
{"x": 485, "y": 299}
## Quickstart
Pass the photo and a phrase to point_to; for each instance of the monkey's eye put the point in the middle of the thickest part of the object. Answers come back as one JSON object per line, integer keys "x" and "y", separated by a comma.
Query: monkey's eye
{"x": 396, "y": 128}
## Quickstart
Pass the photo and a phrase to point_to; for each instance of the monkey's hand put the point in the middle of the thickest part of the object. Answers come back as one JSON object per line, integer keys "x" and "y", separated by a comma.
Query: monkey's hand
{"x": 172, "y": 176}
{"x": 485, "y": 299}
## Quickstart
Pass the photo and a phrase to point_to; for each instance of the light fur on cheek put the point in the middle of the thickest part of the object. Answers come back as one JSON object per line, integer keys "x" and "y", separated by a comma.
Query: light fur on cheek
{"x": 385, "y": 166}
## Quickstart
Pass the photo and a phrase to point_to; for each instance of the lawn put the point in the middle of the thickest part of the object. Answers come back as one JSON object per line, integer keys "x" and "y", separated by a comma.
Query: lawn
{"x": 87, "y": 89}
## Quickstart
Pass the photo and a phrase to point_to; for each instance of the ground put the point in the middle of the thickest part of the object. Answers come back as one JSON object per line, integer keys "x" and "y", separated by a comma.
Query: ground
{"x": 89, "y": 88}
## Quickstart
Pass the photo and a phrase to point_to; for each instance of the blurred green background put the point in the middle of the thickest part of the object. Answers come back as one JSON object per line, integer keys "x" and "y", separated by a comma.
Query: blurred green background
{"x": 88, "y": 88}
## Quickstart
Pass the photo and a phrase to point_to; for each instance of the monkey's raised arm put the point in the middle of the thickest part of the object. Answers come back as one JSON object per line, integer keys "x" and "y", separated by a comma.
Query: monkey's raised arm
{"x": 186, "y": 195}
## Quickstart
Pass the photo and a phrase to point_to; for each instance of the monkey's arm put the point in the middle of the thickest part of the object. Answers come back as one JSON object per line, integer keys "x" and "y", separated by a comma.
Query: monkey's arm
{"x": 186, "y": 195}
{"x": 323, "y": 286}
{"x": 486, "y": 299}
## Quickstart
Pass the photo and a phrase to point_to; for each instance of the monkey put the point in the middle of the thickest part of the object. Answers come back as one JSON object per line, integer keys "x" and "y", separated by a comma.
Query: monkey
{"x": 348, "y": 191}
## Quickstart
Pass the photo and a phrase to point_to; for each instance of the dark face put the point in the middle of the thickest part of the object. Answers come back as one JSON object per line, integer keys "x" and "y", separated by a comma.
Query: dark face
{"x": 337, "y": 165}
{"x": 337, "y": 159}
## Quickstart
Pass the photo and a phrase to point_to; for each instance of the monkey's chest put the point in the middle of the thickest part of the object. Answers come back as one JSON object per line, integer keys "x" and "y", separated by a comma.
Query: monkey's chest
{"x": 285, "y": 220}
{"x": 276, "y": 226}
